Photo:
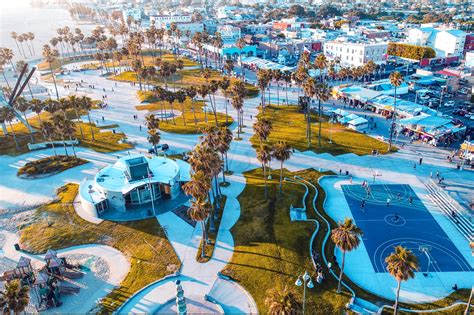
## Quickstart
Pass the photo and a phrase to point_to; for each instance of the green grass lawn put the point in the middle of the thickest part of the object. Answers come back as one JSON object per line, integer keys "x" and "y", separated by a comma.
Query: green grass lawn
{"x": 182, "y": 79}
{"x": 104, "y": 141}
{"x": 271, "y": 251}
{"x": 191, "y": 127}
{"x": 56, "y": 225}
{"x": 289, "y": 125}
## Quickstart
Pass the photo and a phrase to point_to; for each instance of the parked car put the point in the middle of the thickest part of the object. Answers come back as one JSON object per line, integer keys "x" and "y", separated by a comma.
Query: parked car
{"x": 449, "y": 104}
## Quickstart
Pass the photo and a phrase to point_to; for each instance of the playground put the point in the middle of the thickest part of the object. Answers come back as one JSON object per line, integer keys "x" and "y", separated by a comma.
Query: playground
{"x": 392, "y": 215}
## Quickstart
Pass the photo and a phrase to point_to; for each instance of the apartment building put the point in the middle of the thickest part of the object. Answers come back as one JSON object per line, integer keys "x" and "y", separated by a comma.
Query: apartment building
{"x": 355, "y": 53}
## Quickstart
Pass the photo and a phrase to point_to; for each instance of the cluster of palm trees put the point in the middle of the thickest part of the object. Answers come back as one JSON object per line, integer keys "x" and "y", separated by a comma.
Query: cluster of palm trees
{"x": 401, "y": 264}
{"x": 26, "y": 38}
{"x": 281, "y": 151}
{"x": 207, "y": 161}
{"x": 58, "y": 127}
{"x": 14, "y": 298}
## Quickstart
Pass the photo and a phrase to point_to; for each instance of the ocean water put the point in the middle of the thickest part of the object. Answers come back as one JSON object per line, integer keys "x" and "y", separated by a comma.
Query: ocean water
{"x": 43, "y": 22}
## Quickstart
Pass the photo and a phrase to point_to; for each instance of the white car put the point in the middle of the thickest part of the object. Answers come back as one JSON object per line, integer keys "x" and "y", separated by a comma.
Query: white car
{"x": 449, "y": 104}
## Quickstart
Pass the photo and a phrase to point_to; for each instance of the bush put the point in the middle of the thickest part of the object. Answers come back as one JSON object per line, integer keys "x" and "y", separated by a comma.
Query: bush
{"x": 50, "y": 165}
{"x": 410, "y": 51}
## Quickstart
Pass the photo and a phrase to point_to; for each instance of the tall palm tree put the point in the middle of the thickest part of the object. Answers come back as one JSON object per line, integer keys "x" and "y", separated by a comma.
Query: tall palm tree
{"x": 322, "y": 94}
{"x": 225, "y": 138}
{"x": 262, "y": 128}
{"x": 87, "y": 105}
{"x": 281, "y": 151}
{"x": 50, "y": 55}
{"x": 14, "y": 298}
{"x": 346, "y": 237}
{"x": 191, "y": 93}
{"x": 22, "y": 105}
{"x": 309, "y": 89}
{"x": 239, "y": 92}
{"x": 75, "y": 104}
{"x": 14, "y": 36}
{"x": 277, "y": 75}
{"x": 401, "y": 264}
{"x": 37, "y": 106}
{"x": 7, "y": 114}
{"x": 59, "y": 123}
{"x": 154, "y": 138}
{"x": 321, "y": 63}
{"x": 69, "y": 131}
{"x": 48, "y": 131}
{"x": 224, "y": 84}
{"x": 282, "y": 302}
{"x": 263, "y": 79}
{"x": 199, "y": 212}
{"x": 396, "y": 79}
{"x": 203, "y": 91}
{"x": 264, "y": 156}
{"x": 241, "y": 44}
{"x": 180, "y": 96}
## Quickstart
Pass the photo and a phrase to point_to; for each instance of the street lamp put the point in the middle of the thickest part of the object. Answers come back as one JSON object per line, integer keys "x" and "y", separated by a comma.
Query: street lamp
{"x": 305, "y": 281}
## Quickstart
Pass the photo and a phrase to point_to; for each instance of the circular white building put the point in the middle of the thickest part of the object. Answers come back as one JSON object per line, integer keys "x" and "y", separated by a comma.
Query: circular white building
{"x": 132, "y": 181}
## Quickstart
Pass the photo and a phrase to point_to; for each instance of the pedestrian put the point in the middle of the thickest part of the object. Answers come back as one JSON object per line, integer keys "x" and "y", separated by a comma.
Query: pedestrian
{"x": 414, "y": 165}
{"x": 362, "y": 205}
{"x": 103, "y": 119}
{"x": 431, "y": 174}
{"x": 340, "y": 172}
{"x": 140, "y": 127}
{"x": 350, "y": 179}
{"x": 396, "y": 217}
{"x": 388, "y": 202}
{"x": 410, "y": 200}
{"x": 437, "y": 174}
{"x": 399, "y": 196}
{"x": 421, "y": 160}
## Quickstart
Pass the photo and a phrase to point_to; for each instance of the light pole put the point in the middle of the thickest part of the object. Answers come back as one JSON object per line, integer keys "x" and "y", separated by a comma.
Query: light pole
{"x": 305, "y": 281}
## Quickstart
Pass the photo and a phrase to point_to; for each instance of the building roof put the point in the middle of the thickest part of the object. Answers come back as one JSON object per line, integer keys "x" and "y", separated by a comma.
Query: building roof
{"x": 360, "y": 93}
{"x": 116, "y": 177}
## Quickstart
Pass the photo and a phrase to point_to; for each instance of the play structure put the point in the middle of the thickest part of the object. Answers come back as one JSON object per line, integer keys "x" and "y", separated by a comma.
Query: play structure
{"x": 48, "y": 283}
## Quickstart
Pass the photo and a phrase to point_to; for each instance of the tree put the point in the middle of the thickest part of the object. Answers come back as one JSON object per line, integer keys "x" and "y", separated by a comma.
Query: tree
{"x": 180, "y": 96}
{"x": 199, "y": 211}
{"x": 137, "y": 68}
{"x": 401, "y": 264}
{"x": 322, "y": 94}
{"x": 7, "y": 114}
{"x": 15, "y": 297}
{"x": 346, "y": 237}
{"x": 396, "y": 79}
{"x": 241, "y": 44}
{"x": 309, "y": 89}
{"x": 282, "y": 302}
{"x": 60, "y": 123}
{"x": 22, "y": 105}
{"x": 191, "y": 93}
{"x": 224, "y": 84}
{"x": 87, "y": 105}
{"x": 262, "y": 128}
{"x": 263, "y": 79}
{"x": 264, "y": 156}
{"x": 281, "y": 151}
{"x": 48, "y": 131}
{"x": 50, "y": 56}
{"x": 37, "y": 106}
{"x": 76, "y": 105}
{"x": 238, "y": 91}
{"x": 154, "y": 138}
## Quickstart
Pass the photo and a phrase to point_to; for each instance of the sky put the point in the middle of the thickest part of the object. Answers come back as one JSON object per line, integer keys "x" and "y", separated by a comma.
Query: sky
{"x": 4, "y": 4}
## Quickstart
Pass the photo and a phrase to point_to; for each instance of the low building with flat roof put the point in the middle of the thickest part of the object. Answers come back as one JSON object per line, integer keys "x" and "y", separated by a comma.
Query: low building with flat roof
{"x": 132, "y": 181}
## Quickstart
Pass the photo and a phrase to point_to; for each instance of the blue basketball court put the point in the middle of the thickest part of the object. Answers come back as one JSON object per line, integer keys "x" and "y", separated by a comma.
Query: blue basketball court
{"x": 404, "y": 221}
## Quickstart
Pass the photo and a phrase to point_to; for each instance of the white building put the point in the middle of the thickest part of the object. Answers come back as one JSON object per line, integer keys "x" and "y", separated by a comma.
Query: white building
{"x": 164, "y": 21}
{"x": 423, "y": 36}
{"x": 133, "y": 181}
{"x": 229, "y": 33}
{"x": 355, "y": 53}
{"x": 450, "y": 43}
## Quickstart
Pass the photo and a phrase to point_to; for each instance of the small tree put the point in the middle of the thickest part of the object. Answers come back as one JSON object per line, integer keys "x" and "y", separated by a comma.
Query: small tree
{"x": 15, "y": 297}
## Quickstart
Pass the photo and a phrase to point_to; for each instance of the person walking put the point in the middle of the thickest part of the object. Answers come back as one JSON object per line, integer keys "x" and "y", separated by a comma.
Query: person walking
{"x": 362, "y": 205}
{"x": 388, "y": 202}
{"x": 410, "y": 200}
{"x": 421, "y": 160}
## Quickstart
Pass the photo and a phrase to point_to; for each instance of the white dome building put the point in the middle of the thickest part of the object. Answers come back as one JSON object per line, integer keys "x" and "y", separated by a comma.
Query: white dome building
{"x": 132, "y": 181}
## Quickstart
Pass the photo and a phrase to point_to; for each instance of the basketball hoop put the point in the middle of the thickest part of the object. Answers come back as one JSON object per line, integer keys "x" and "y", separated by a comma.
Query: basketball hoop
{"x": 426, "y": 249}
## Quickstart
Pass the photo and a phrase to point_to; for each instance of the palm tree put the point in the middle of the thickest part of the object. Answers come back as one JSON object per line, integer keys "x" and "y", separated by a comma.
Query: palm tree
{"x": 238, "y": 91}
{"x": 241, "y": 44}
{"x": 170, "y": 97}
{"x": 309, "y": 88}
{"x": 282, "y": 302}
{"x": 346, "y": 237}
{"x": 191, "y": 93}
{"x": 287, "y": 79}
{"x": 50, "y": 56}
{"x": 281, "y": 151}
{"x": 59, "y": 123}
{"x": 225, "y": 138}
{"x": 37, "y": 106}
{"x": 87, "y": 105}
{"x": 154, "y": 138}
{"x": 396, "y": 80}
{"x": 401, "y": 264}
{"x": 203, "y": 90}
{"x": 14, "y": 36}
{"x": 263, "y": 79}
{"x": 15, "y": 297}
{"x": 181, "y": 98}
{"x": 277, "y": 75}
{"x": 321, "y": 63}
{"x": 76, "y": 105}
{"x": 22, "y": 105}
{"x": 8, "y": 114}
{"x": 199, "y": 211}
{"x": 229, "y": 66}
{"x": 262, "y": 128}
{"x": 264, "y": 156}
{"x": 224, "y": 84}
{"x": 69, "y": 131}
{"x": 322, "y": 94}
{"x": 47, "y": 129}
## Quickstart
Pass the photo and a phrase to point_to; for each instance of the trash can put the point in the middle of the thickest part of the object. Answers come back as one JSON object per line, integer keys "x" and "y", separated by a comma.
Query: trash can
{"x": 17, "y": 247}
